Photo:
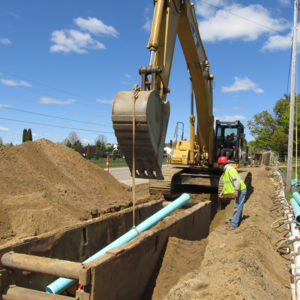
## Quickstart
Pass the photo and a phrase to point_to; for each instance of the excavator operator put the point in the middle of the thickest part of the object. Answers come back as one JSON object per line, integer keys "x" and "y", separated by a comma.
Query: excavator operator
{"x": 228, "y": 148}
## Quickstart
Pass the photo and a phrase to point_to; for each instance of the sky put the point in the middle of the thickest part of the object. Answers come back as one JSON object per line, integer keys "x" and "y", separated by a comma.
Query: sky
{"x": 62, "y": 62}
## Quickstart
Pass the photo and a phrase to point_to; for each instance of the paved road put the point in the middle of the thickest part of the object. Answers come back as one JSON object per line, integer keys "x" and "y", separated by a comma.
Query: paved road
{"x": 123, "y": 175}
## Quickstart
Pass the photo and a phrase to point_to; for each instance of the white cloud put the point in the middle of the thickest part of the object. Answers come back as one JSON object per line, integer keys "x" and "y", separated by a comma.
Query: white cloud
{"x": 36, "y": 134}
{"x": 95, "y": 26}
{"x": 5, "y": 41}
{"x": 87, "y": 141}
{"x": 147, "y": 25}
{"x": 128, "y": 76}
{"x": 14, "y": 83}
{"x": 4, "y": 128}
{"x": 231, "y": 118}
{"x": 281, "y": 42}
{"x": 105, "y": 101}
{"x": 73, "y": 40}
{"x": 242, "y": 84}
{"x": 278, "y": 42}
{"x": 208, "y": 9}
{"x": 48, "y": 100}
{"x": 4, "y": 106}
{"x": 285, "y": 2}
{"x": 237, "y": 22}
{"x": 81, "y": 40}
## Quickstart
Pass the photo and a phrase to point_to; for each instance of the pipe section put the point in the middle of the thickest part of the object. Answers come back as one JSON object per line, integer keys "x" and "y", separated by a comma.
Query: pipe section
{"x": 55, "y": 267}
{"x": 62, "y": 284}
{"x": 296, "y": 209}
{"x": 296, "y": 196}
{"x": 19, "y": 293}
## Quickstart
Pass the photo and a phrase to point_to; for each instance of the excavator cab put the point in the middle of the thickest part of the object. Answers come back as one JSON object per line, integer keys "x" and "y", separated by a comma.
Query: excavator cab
{"x": 230, "y": 142}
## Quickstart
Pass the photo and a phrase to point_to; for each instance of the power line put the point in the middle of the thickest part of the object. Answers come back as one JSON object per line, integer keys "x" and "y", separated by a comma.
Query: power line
{"x": 56, "y": 126}
{"x": 53, "y": 116}
{"x": 40, "y": 83}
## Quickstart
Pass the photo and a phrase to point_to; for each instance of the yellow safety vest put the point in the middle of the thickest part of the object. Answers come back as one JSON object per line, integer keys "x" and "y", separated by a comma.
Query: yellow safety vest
{"x": 230, "y": 175}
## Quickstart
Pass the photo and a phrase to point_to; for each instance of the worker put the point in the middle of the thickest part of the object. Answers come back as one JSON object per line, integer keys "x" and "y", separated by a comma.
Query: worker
{"x": 233, "y": 184}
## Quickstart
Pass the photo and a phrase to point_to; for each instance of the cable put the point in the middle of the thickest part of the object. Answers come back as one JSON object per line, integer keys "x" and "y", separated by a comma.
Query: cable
{"x": 52, "y": 116}
{"x": 39, "y": 83}
{"x": 57, "y": 126}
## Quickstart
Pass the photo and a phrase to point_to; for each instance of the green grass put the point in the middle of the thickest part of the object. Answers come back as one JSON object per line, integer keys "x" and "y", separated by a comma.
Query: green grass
{"x": 113, "y": 163}
{"x": 289, "y": 195}
{"x": 118, "y": 162}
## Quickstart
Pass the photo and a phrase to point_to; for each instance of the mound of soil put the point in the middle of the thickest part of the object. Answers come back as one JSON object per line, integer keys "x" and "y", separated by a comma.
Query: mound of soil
{"x": 45, "y": 186}
{"x": 237, "y": 264}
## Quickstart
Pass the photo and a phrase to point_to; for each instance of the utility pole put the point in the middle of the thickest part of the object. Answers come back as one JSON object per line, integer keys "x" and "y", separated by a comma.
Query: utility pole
{"x": 292, "y": 101}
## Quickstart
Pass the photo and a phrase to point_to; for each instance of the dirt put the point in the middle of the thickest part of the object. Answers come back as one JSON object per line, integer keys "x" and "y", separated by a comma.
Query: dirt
{"x": 237, "y": 264}
{"x": 46, "y": 186}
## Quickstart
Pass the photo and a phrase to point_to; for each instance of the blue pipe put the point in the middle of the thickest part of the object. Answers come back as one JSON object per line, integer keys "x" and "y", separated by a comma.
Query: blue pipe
{"x": 62, "y": 283}
{"x": 296, "y": 196}
{"x": 296, "y": 209}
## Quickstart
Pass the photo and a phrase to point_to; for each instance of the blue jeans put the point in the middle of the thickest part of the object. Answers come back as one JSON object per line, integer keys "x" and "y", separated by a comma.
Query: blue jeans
{"x": 238, "y": 208}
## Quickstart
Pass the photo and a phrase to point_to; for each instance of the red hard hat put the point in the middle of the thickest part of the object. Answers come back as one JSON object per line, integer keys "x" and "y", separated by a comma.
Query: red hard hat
{"x": 223, "y": 160}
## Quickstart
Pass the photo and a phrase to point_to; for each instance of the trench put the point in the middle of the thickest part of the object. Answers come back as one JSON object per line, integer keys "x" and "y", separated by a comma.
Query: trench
{"x": 135, "y": 268}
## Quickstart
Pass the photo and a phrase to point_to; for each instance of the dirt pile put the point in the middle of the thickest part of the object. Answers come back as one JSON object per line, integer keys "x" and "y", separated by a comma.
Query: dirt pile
{"x": 238, "y": 264}
{"x": 45, "y": 186}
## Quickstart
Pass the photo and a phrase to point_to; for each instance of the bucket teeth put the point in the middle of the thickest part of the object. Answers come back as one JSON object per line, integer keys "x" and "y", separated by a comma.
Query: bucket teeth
{"x": 151, "y": 121}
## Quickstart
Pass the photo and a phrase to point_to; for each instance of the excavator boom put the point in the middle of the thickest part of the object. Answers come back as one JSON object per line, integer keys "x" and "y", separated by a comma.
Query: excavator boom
{"x": 140, "y": 117}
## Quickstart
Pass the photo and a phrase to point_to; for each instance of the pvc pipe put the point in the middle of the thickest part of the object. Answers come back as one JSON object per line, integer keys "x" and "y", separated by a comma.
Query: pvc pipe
{"x": 296, "y": 196}
{"x": 296, "y": 209}
{"x": 62, "y": 283}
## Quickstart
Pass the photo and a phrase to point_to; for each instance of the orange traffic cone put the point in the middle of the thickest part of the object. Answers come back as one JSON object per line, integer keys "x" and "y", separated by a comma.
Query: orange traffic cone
{"x": 167, "y": 160}
{"x": 107, "y": 164}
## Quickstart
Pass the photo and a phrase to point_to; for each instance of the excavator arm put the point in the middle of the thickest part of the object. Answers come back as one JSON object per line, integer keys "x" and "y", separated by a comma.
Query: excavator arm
{"x": 140, "y": 117}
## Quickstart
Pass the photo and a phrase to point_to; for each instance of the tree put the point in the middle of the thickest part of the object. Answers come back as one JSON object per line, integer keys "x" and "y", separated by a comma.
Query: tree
{"x": 73, "y": 137}
{"x": 67, "y": 142}
{"x": 271, "y": 131}
{"x": 101, "y": 141}
{"x": 262, "y": 128}
{"x": 29, "y": 135}
{"x": 279, "y": 143}
{"x": 77, "y": 146}
{"x": 97, "y": 153}
{"x": 1, "y": 142}
{"x": 100, "y": 144}
{"x": 88, "y": 152}
{"x": 24, "y": 137}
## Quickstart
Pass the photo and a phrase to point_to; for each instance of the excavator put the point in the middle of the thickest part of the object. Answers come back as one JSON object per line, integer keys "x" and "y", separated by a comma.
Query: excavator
{"x": 140, "y": 117}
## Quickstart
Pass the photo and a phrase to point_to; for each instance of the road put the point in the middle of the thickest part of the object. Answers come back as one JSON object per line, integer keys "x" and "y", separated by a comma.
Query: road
{"x": 123, "y": 175}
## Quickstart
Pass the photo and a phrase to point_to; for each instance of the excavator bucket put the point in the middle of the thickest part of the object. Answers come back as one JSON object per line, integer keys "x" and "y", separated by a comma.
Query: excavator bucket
{"x": 151, "y": 121}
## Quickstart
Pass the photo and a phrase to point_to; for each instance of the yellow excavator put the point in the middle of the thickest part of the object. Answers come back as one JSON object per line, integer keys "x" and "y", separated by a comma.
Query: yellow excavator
{"x": 140, "y": 117}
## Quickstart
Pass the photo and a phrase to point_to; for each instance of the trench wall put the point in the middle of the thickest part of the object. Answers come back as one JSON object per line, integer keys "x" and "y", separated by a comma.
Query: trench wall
{"x": 126, "y": 272}
{"x": 76, "y": 243}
